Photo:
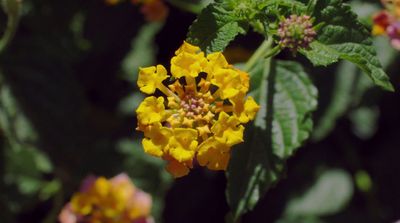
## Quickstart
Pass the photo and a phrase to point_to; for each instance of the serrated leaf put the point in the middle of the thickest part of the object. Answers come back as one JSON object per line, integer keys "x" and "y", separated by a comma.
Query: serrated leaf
{"x": 214, "y": 28}
{"x": 347, "y": 38}
{"x": 287, "y": 97}
{"x": 320, "y": 54}
{"x": 348, "y": 90}
{"x": 293, "y": 5}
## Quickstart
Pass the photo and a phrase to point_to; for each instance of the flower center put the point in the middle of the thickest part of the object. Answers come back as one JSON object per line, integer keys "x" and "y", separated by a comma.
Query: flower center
{"x": 296, "y": 32}
{"x": 193, "y": 106}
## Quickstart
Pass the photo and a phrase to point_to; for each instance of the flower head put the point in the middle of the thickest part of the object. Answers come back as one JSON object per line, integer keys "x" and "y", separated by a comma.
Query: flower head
{"x": 296, "y": 32}
{"x": 201, "y": 115}
{"x": 113, "y": 201}
{"x": 382, "y": 21}
{"x": 387, "y": 23}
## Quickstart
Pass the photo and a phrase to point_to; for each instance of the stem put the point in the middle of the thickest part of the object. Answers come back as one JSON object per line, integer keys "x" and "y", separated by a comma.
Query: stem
{"x": 12, "y": 24}
{"x": 261, "y": 52}
{"x": 189, "y": 7}
{"x": 57, "y": 205}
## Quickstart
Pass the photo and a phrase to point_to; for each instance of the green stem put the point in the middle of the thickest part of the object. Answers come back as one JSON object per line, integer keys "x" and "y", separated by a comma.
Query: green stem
{"x": 12, "y": 24}
{"x": 260, "y": 53}
{"x": 57, "y": 205}
{"x": 193, "y": 8}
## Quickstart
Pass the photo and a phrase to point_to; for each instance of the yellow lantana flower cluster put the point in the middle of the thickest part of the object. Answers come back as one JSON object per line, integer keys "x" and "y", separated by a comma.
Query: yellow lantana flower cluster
{"x": 108, "y": 201}
{"x": 201, "y": 114}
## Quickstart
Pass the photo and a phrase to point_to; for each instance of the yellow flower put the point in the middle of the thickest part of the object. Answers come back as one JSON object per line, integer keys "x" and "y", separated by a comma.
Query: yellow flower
{"x": 213, "y": 154}
{"x": 151, "y": 110}
{"x": 183, "y": 144}
{"x": 113, "y": 201}
{"x": 202, "y": 115}
{"x": 188, "y": 61}
{"x": 150, "y": 78}
{"x": 244, "y": 110}
{"x": 228, "y": 130}
{"x": 82, "y": 203}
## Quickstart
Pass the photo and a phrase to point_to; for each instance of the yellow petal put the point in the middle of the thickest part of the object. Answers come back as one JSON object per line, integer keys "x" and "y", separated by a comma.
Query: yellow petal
{"x": 186, "y": 137}
{"x": 183, "y": 144}
{"x": 157, "y": 139}
{"x": 178, "y": 152}
{"x": 216, "y": 61}
{"x": 151, "y": 110}
{"x": 378, "y": 30}
{"x": 228, "y": 130}
{"x": 251, "y": 108}
{"x": 188, "y": 62}
{"x": 187, "y": 48}
{"x": 244, "y": 110}
{"x": 177, "y": 169}
{"x": 228, "y": 82}
{"x": 101, "y": 187}
{"x": 213, "y": 154}
{"x": 151, "y": 148}
{"x": 150, "y": 78}
{"x": 81, "y": 203}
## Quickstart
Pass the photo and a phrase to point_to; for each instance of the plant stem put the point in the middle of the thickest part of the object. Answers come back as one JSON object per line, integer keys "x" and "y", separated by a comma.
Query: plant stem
{"x": 12, "y": 24}
{"x": 261, "y": 52}
{"x": 189, "y": 7}
{"x": 57, "y": 205}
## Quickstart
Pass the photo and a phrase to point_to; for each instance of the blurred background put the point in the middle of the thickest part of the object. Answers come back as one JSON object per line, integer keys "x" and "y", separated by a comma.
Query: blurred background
{"x": 68, "y": 95}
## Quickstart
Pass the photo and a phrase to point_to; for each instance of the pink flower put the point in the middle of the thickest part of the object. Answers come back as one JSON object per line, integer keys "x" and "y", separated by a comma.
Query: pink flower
{"x": 393, "y": 31}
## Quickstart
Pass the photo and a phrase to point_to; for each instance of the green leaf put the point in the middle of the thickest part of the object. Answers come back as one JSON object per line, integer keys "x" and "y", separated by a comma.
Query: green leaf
{"x": 329, "y": 195}
{"x": 346, "y": 38}
{"x": 215, "y": 27}
{"x": 320, "y": 54}
{"x": 348, "y": 90}
{"x": 293, "y": 5}
{"x": 287, "y": 97}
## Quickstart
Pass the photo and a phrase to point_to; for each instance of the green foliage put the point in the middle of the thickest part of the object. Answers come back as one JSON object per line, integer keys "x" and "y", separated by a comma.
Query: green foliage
{"x": 348, "y": 91}
{"x": 25, "y": 165}
{"x": 287, "y": 97}
{"x": 343, "y": 36}
{"x": 215, "y": 27}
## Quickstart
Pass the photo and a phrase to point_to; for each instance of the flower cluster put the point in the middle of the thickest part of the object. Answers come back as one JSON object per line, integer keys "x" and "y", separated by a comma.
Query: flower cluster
{"x": 201, "y": 116}
{"x": 388, "y": 23}
{"x": 296, "y": 32}
{"x": 153, "y": 10}
{"x": 108, "y": 201}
